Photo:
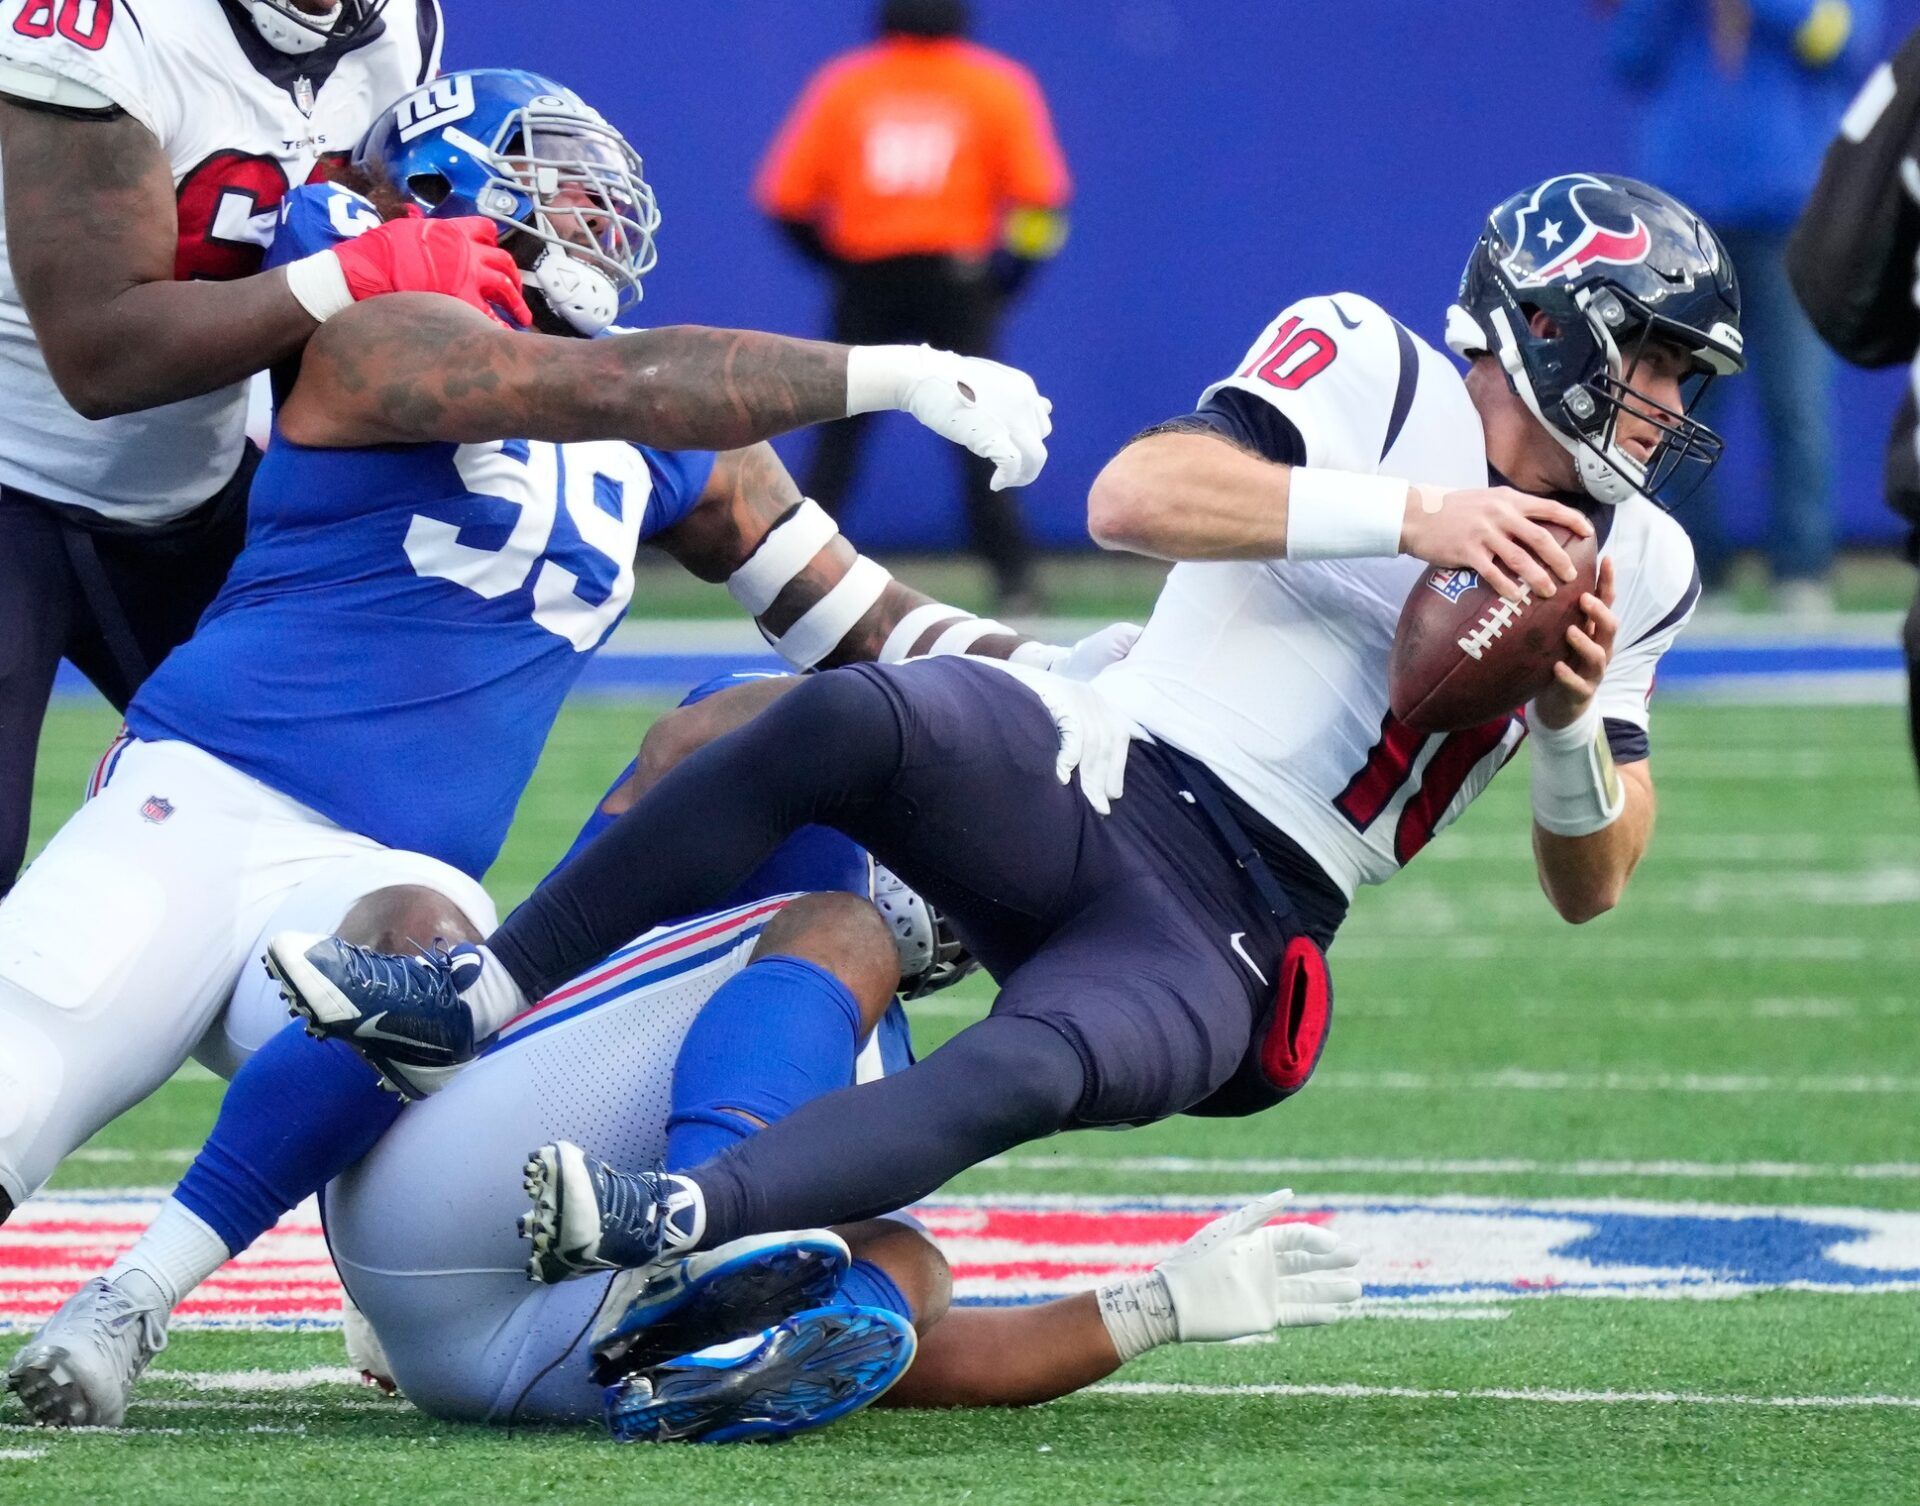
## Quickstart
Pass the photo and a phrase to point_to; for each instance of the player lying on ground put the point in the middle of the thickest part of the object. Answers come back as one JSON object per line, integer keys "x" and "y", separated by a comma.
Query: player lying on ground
{"x": 1168, "y": 958}
{"x": 763, "y": 1005}
{"x": 291, "y": 759}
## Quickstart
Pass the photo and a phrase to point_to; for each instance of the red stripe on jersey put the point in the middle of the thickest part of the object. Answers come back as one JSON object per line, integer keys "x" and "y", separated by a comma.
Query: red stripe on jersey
{"x": 1440, "y": 781}
{"x": 691, "y": 941}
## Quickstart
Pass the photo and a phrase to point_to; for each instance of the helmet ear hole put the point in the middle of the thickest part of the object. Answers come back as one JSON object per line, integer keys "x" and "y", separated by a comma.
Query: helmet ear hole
{"x": 430, "y": 189}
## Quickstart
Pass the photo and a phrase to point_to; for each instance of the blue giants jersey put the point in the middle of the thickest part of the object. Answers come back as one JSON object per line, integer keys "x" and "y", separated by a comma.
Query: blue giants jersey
{"x": 396, "y": 638}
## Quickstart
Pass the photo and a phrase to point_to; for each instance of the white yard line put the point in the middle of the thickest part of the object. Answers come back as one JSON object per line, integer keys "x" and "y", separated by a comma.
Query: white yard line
{"x": 22, "y": 1455}
{"x": 1406, "y": 945}
{"x": 1368, "y": 1311}
{"x": 1528, "y": 1080}
{"x": 100, "y": 1155}
{"x": 1871, "y": 1171}
{"x": 259, "y": 1380}
{"x": 1528, "y": 1394}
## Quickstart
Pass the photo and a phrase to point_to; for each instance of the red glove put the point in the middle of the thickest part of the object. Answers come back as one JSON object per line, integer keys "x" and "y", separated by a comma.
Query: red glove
{"x": 461, "y": 258}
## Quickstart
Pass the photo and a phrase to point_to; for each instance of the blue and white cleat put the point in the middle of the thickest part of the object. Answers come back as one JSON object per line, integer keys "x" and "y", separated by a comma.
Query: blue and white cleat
{"x": 587, "y": 1217}
{"x": 662, "y": 1311}
{"x": 404, "y": 1015}
{"x": 815, "y": 1368}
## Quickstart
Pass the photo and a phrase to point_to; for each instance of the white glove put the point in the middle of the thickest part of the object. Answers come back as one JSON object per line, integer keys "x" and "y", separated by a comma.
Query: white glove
{"x": 1237, "y": 1277}
{"x": 994, "y": 410}
{"x": 1085, "y": 659}
{"x": 1094, "y": 733}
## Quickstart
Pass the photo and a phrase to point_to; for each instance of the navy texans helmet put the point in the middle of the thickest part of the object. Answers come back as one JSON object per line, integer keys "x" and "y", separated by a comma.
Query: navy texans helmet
{"x": 1614, "y": 264}
{"x": 569, "y": 195}
{"x": 290, "y": 29}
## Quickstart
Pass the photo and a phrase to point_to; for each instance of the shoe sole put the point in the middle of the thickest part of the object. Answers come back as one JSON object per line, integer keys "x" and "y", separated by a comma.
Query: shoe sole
{"x": 318, "y": 1005}
{"x": 41, "y": 1376}
{"x": 557, "y": 1180}
{"x": 767, "y": 1282}
{"x": 813, "y": 1370}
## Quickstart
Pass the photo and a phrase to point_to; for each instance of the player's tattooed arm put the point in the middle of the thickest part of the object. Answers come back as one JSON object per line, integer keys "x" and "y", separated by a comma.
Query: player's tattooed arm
{"x": 92, "y": 235}
{"x": 411, "y": 369}
{"x": 749, "y": 495}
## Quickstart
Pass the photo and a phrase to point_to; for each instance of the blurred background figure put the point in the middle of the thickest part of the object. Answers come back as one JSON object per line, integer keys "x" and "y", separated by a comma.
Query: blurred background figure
{"x": 923, "y": 175}
{"x": 1852, "y": 260}
{"x": 1740, "y": 99}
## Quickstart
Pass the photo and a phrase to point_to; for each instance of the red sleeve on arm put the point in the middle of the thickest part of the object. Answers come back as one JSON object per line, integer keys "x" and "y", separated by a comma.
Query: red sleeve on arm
{"x": 1036, "y": 167}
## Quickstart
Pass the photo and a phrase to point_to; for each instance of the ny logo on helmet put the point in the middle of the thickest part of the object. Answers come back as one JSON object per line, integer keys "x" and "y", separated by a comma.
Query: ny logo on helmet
{"x": 442, "y": 102}
{"x": 1555, "y": 236}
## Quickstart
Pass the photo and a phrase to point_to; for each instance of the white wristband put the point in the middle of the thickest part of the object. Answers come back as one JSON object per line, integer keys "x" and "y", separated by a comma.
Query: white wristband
{"x": 1576, "y": 788}
{"x": 911, "y": 628}
{"x": 832, "y": 617}
{"x": 1335, "y": 515}
{"x": 961, "y": 637}
{"x": 1139, "y": 1315}
{"x": 880, "y": 377}
{"x": 786, "y": 550}
{"x": 320, "y": 283}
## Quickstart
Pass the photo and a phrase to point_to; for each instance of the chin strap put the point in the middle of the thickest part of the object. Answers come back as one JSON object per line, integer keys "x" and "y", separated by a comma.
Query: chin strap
{"x": 583, "y": 296}
{"x": 296, "y": 38}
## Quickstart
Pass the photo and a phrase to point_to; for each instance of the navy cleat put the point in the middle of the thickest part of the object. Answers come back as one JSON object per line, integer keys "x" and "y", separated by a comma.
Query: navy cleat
{"x": 403, "y": 1015}
{"x": 663, "y": 1311}
{"x": 588, "y": 1217}
{"x": 815, "y": 1368}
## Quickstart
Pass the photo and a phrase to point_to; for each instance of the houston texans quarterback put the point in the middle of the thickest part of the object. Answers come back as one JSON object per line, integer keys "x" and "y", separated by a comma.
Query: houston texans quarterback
{"x": 146, "y": 149}
{"x": 1168, "y": 957}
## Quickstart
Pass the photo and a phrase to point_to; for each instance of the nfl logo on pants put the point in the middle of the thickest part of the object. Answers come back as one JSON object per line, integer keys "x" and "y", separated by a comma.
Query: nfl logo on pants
{"x": 156, "y": 809}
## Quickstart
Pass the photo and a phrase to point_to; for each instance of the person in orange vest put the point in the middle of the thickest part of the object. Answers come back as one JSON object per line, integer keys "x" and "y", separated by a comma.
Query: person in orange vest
{"x": 922, "y": 173}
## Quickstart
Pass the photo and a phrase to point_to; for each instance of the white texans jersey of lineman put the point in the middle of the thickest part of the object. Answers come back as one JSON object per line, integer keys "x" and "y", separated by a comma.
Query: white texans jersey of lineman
{"x": 241, "y": 124}
{"x": 1274, "y": 673}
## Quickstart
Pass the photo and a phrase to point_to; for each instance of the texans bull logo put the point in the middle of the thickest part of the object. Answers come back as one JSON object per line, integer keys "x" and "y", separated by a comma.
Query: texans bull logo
{"x": 1555, "y": 236}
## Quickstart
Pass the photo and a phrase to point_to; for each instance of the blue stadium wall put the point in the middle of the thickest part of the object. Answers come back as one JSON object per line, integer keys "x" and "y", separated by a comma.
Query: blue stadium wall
{"x": 1229, "y": 155}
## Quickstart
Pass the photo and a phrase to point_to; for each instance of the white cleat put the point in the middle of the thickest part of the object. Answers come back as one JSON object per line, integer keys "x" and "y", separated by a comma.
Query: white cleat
{"x": 79, "y": 1370}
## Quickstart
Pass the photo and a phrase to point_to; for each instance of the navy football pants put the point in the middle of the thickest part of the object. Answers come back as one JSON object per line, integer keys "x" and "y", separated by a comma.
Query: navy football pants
{"x": 1118, "y": 941}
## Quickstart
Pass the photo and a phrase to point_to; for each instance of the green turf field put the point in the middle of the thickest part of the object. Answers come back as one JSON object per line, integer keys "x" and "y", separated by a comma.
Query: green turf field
{"x": 1746, "y": 1032}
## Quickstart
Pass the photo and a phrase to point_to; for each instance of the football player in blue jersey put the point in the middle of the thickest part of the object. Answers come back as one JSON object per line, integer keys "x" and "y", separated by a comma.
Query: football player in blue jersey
{"x": 442, "y": 533}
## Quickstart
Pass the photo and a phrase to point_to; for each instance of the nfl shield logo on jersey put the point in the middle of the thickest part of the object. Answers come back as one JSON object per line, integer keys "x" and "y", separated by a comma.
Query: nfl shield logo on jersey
{"x": 156, "y": 809}
{"x": 1452, "y": 583}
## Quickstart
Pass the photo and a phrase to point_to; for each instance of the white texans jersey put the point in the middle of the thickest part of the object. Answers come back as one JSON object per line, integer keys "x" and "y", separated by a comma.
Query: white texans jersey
{"x": 1274, "y": 673}
{"x": 241, "y": 124}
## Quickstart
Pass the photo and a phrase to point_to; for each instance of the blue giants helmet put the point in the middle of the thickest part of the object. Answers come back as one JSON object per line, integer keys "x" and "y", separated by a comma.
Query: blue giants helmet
{"x": 1614, "y": 264}
{"x": 567, "y": 192}
{"x": 287, "y": 28}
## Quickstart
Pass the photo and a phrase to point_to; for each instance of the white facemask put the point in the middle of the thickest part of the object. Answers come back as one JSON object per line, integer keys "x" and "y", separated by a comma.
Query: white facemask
{"x": 285, "y": 34}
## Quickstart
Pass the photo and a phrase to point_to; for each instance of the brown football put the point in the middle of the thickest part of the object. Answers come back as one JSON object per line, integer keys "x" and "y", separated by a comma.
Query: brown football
{"x": 1462, "y": 656}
